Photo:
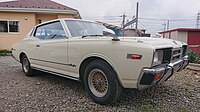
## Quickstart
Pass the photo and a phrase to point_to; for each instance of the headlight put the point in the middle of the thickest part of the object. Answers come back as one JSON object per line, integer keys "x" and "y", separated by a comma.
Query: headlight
{"x": 158, "y": 57}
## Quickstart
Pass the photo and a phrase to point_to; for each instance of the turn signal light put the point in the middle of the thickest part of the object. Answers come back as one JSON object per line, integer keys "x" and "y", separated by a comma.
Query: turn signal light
{"x": 135, "y": 56}
{"x": 158, "y": 76}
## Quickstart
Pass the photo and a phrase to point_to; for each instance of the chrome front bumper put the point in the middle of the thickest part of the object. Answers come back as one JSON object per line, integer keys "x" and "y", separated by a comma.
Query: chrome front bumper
{"x": 153, "y": 76}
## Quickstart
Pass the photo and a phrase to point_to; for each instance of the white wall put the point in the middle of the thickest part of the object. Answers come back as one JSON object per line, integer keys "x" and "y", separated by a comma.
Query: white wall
{"x": 174, "y": 35}
{"x": 171, "y": 35}
{"x": 182, "y": 36}
{"x": 177, "y": 35}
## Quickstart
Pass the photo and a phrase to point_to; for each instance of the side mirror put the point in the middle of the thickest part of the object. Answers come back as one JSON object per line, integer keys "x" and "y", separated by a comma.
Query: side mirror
{"x": 111, "y": 33}
{"x": 108, "y": 32}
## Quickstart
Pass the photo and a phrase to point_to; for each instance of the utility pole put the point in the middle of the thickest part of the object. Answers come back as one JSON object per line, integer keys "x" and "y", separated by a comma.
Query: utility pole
{"x": 136, "y": 24}
{"x": 164, "y": 29}
{"x": 123, "y": 24}
{"x": 131, "y": 22}
{"x": 168, "y": 23}
{"x": 132, "y": 26}
{"x": 198, "y": 19}
{"x": 164, "y": 26}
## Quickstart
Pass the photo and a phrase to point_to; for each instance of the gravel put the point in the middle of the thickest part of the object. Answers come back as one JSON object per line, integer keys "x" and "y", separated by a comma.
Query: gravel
{"x": 46, "y": 92}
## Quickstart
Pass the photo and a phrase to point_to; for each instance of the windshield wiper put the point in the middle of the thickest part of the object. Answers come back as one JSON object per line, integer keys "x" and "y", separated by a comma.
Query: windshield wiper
{"x": 91, "y": 35}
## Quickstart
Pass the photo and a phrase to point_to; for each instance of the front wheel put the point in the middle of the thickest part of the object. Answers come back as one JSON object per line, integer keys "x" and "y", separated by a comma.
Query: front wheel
{"x": 26, "y": 66}
{"x": 101, "y": 82}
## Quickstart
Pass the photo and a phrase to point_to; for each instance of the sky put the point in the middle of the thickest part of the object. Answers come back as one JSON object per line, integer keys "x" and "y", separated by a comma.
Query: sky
{"x": 153, "y": 14}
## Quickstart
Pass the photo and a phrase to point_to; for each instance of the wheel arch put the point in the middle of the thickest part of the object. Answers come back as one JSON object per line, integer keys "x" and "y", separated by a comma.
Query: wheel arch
{"x": 20, "y": 56}
{"x": 85, "y": 61}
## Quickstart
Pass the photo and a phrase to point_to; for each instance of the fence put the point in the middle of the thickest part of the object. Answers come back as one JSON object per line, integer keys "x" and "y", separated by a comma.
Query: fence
{"x": 195, "y": 49}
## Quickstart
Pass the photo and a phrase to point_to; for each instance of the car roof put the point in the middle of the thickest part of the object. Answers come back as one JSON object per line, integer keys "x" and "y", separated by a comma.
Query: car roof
{"x": 70, "y": 19}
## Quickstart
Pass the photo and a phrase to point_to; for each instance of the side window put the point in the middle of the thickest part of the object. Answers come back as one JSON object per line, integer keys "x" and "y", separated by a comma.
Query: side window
{"x": 52, "y": 30}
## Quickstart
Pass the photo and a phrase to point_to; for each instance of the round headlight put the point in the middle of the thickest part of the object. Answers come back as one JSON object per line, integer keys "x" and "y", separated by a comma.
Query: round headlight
{"x": 158, "y": 57}
{"x": 155, "y": 61}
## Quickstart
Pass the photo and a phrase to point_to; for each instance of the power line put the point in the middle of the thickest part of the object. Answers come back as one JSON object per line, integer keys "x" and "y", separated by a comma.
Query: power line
{"x": 153, "y": 19}
{"x": 152, "y": 24}
{"x": 198, "y": 19}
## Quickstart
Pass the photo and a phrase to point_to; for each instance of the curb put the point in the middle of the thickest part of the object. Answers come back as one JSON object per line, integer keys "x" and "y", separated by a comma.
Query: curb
{"x": 194, "y": 66}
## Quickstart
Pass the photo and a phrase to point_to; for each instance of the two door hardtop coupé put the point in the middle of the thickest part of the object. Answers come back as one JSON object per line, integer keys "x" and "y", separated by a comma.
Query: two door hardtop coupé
{"x": 86, "y": 51}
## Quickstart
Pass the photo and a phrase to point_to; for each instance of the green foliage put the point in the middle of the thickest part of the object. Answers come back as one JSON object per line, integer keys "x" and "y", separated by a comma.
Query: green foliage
{"x": 5, "y": 52}
{"x": 194, "y": 58}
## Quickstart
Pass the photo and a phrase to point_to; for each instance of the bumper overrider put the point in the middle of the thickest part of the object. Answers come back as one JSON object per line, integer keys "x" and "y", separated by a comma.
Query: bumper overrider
{"x": 157, "y": 75}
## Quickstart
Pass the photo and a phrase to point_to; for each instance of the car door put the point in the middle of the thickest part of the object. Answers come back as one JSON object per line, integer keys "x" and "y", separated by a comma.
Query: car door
{"x": 51, "y": 48}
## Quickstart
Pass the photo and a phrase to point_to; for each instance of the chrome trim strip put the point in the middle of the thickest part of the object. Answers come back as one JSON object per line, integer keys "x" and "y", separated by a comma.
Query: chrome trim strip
{"x": 55, "y": 73}
{"x": 72, "y": 65}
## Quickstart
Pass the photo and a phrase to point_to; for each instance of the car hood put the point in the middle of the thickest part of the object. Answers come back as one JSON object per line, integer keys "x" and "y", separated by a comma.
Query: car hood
{"x": 155, "y": 42}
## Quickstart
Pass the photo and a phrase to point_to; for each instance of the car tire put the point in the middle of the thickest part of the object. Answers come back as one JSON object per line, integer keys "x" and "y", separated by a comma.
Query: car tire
{"x": 101, "y": 83}
{"x": 28, "y": 71}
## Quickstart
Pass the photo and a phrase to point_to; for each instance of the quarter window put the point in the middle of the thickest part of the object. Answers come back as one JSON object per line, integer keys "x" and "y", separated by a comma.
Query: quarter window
{"x": 9, "y": 26}
{"x": 50, "y": 31}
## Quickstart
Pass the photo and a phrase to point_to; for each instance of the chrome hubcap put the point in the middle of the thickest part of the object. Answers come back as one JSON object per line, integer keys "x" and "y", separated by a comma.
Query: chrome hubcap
{"x": 98, "y": 83}
{"x": 25, "y": 65}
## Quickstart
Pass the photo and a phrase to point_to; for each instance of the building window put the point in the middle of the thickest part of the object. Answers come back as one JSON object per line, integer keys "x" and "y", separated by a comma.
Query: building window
{"x": 3, "y": 26}
{"x": 13, "y": 26}
{"x": 9, "y": 26}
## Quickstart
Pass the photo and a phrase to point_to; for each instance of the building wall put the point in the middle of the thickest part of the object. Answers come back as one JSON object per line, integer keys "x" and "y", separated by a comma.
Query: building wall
{"x": 7, "y": 39}
{"x": 45, "y": 17}
{"x": 130, "y": 33}
{"x": 194, "y": 38}
{"x": 65, "y": 16}
{"x": 182, "y": 36}
{"x": 177, "y": 35}
{"x": 166, "y": 35}
{"x": 170, "y": 35}
{"x": 174, "y": 35}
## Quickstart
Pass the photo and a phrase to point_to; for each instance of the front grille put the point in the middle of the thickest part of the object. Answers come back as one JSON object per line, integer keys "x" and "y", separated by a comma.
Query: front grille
{"x": 176, "y": 54}
{"x": 172, "y": 55}
{"x": 167, "y": 55}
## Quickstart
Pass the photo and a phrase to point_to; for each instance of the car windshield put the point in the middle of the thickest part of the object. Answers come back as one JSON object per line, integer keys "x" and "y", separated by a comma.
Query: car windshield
{"x": 83, "y": 28}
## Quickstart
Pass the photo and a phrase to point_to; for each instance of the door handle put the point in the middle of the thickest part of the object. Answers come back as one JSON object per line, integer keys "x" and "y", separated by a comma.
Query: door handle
{"x": 37, "y": 45}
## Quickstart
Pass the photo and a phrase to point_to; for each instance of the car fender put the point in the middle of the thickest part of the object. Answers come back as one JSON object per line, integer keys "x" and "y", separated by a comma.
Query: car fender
{"x": 104, "y": 57}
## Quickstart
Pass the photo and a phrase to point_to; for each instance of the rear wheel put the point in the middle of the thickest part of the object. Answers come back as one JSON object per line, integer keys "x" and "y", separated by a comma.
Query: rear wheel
{"x": 101, "y": 82}
{"x": 26, "y": 66}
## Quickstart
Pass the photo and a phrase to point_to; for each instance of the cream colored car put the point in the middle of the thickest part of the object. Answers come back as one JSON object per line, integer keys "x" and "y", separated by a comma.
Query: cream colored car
{"x": 88, "y": 52}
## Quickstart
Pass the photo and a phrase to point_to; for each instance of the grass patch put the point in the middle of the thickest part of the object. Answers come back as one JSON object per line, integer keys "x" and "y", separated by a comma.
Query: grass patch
{"x": 5, "y": 52}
